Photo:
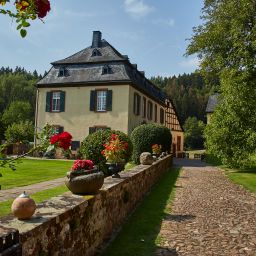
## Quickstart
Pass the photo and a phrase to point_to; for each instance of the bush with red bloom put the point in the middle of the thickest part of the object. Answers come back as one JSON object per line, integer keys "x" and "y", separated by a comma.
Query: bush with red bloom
{"x": 80, "y": 165}
{"x": 115, "y": 149}
{"x": 62, "y": 140}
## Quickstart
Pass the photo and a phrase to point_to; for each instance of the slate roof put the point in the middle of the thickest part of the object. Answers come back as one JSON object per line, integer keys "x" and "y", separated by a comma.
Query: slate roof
{"x": 212, "y": 103}
{"x": 108, "y": 53}
{"x": 83, "y": 68}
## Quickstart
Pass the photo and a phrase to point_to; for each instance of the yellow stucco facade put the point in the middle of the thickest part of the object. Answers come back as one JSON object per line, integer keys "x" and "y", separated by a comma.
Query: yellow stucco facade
{"x": 77, "y": 117}
{"x": 136, "y": 120}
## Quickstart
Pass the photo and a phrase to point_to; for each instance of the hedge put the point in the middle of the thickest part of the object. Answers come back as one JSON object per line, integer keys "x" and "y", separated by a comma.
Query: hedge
{"x": 144, "y": 136}
{"x": 93, "y": 145}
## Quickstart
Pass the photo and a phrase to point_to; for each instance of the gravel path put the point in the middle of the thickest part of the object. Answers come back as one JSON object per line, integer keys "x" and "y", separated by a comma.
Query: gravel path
{"x": 30, "y": 189}
{"x": 210, "y": 215}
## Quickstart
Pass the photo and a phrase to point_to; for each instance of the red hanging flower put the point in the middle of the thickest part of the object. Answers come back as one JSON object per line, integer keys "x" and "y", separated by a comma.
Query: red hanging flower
{"x": 43, "y": 6}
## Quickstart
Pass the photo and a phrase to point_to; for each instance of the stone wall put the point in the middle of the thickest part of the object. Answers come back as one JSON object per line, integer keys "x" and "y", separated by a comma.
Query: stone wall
{"x": 79, "y": 225}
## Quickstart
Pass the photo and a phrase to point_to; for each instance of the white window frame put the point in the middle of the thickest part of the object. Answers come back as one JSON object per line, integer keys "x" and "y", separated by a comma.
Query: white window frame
{"x": 101, "y": 101}
{"x": 55, "y": 104}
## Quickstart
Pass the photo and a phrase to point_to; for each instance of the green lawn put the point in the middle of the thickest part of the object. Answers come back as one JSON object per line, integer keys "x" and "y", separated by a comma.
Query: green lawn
{"x": 139, "y": 235}
{"x": 5, "y": 207}
{"x": 244, "y": 177}
{"x": 31, "y": 171}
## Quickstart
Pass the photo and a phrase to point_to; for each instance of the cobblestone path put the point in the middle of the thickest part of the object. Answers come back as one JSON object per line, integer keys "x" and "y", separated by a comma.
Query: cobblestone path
{"x": 210, "y": 216}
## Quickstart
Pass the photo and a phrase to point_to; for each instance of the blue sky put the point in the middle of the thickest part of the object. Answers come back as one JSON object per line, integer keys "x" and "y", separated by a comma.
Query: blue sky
{"x": 152, "y": 33}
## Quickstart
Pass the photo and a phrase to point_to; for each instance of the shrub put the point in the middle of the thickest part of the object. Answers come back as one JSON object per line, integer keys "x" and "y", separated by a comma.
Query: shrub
{"x": 92, "y": 146}
{"x": 22, "y": 132}
{"x": 146, "y": 135}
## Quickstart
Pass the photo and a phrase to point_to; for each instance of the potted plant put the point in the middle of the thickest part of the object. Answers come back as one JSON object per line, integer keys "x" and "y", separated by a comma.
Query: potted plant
{"x": 156, "y": 150}
{"x": 84, "y": 178}
{"x": 114, "y": 153}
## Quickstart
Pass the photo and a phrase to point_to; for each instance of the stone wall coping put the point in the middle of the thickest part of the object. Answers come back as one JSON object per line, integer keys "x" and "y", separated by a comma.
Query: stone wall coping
{"x": 59, "y": 208}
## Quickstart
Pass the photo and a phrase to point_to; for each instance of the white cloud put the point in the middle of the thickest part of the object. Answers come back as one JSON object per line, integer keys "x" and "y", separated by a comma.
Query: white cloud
{"x": 190, "y": 63}
{"x": 167, "y": 22}
{"x": 137, "y": 8}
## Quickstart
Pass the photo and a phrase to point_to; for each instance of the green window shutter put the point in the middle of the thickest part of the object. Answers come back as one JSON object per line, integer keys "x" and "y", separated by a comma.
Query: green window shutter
{"x": 109, "y": 100}
{"x": 62, "y": 101}
{"x": 61, "y": 129}
{"x": 161, "y": 116}
{"x": 92, "y": 100}
{"x": 138, "y": 106}
{"x": 92, "y": 130}
{"x": 48, "y": 101}
{"x": 134, "y": 104}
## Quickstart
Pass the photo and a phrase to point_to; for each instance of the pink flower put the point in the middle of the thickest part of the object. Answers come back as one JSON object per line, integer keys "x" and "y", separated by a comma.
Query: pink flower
{"x": 82, "y": 165}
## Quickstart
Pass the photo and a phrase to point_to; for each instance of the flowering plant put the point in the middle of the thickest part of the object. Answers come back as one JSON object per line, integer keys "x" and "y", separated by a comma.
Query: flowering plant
{"x": 156, "y": 149}
{"x": 62, "y": 140}
{"x": 115, "y": 149}
{"x": 26, "y": 10}
{"x": 80, "y": 165}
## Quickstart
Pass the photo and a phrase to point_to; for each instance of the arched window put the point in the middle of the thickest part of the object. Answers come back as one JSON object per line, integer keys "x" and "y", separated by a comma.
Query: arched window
{"x": 95, "y": 53}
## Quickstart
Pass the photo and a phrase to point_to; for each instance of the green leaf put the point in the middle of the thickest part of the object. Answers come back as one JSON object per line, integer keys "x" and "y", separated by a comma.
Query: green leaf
{"x": 19, "y": 27}
{"x": 25, "y": 24}
{"x": 23, "y": 33}
{"x": 3, "y": 11}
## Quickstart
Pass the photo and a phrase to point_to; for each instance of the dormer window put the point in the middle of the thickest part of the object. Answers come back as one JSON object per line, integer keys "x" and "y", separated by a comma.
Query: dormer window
{"x": 106, "y": 70}
{"x": 63, "y": 72}
{"x": 95, "y": 53}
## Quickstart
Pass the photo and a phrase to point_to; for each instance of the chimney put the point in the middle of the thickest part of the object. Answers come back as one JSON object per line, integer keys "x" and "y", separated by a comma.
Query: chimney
{"x": 96, "y": 39}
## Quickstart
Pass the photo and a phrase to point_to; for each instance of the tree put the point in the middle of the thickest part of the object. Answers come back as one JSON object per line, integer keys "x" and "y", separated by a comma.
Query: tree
{"x": 25, "y": 10}
{"x": 18, "y": 111}
{"x": 226, "y": 45}
{"x": 194, "y": 130}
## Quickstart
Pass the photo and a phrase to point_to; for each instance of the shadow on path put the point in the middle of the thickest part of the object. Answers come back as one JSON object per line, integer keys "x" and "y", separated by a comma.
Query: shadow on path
{"x": 185, "y": 162}
{"x": 179, "y": 217}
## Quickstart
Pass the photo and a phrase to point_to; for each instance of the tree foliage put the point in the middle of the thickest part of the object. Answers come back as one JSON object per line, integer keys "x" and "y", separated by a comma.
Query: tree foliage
{"x": 193, "y": 136}
{"x": 16, "y": 85}
{"x": 17, "y": 111}
{"x": 189, "y": 93}
{"x": 226, "y": 45}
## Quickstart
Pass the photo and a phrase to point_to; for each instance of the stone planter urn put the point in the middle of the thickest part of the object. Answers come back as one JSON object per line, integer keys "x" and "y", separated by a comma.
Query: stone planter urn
{"x": 23, "y": 207}
{"x": 84, "y": 182}
{"x": 146, "y": 158}
{"x": 115, "y": 168}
